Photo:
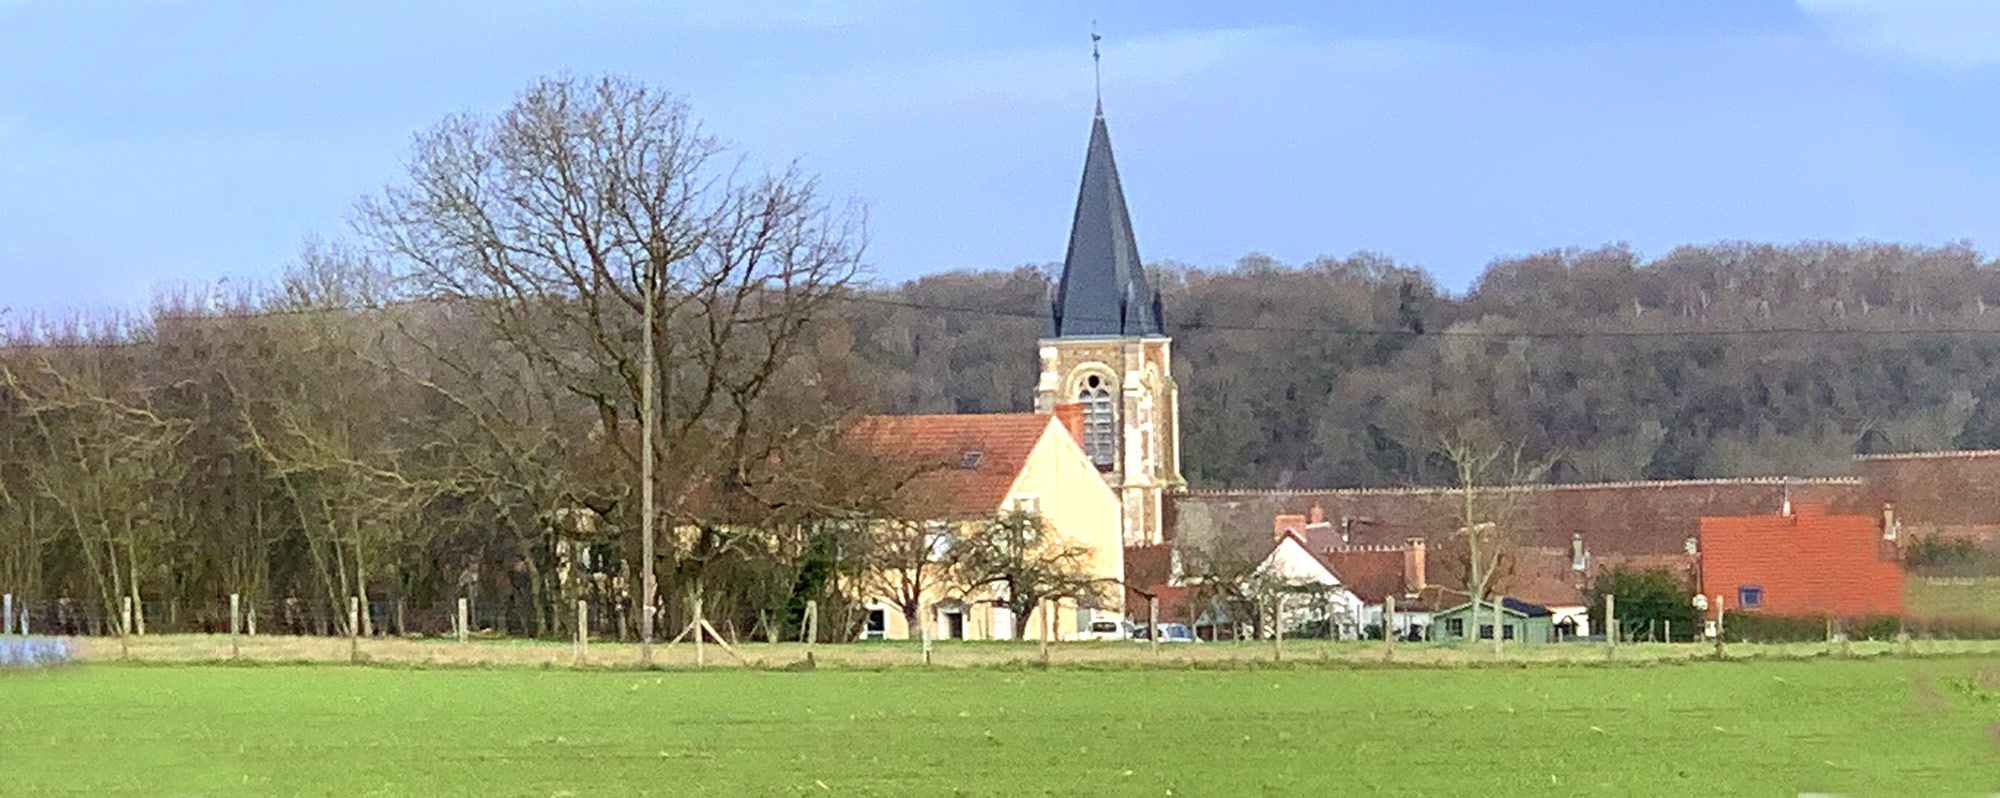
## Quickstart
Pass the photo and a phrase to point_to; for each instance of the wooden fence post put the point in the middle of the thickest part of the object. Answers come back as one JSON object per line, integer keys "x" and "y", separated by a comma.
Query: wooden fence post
{"x": 925, "y": 633}
{"x": 1720, "y": 647}
{"x": 811, "y": 627}
{"x": 464, "y": 619}
{"x": 582, "y": 628}
{"x": 250, "y": 621}
{"x": 1153, "y": 623}
{"x": 1278, "y": 628}
{"x": 1669, "y": 635}
{"x": 124, "y": 627}
{"x": 7, "y": 615}
{"x": 235, "y": 622}
{"x": 1048, "y": 628}
{"x": 353, "y": 628}
{"x": 1388, "y": 627}
{"x": 700, "y": 621}
{"x": 1610, "y": 626}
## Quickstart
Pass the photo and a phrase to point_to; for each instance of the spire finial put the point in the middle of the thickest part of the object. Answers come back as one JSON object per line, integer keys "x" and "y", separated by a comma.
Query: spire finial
{"x": 1097, "y": 66}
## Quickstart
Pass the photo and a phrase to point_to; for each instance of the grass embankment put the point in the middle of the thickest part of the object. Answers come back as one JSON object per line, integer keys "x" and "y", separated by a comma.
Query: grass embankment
{"x": 1902, "y": 726}
{"x": 886, "y": 654}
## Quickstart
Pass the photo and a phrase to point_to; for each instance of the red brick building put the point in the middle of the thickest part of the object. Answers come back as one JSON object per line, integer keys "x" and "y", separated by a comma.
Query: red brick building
{"x": 1805, "y": 561}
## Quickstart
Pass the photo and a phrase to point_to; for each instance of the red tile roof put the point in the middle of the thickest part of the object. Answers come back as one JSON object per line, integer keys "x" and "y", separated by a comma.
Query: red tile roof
{"x": 1173, "y": 604}
{"x": 1805, "y": 562}
{"x": 1371, "y": 572}
{"x": 1149, "y": 565}
{"x": 941, "y": 445}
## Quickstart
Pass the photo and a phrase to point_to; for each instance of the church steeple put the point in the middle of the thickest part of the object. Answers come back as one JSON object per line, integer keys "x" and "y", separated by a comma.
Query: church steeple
{"x": 1103, "y": 291}
{"x": 1107, "y": 357}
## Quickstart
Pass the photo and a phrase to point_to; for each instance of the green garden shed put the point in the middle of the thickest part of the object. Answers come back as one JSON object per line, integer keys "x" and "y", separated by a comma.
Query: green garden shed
{"x": 1521, "y": 621}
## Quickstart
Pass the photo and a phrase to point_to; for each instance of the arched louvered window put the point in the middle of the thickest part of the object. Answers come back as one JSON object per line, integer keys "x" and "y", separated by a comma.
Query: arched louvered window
{"x": 1100, "y": 427}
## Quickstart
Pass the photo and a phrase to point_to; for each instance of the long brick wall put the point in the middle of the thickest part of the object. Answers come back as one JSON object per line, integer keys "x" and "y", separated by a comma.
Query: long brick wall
{"x": 1617, "y": 519}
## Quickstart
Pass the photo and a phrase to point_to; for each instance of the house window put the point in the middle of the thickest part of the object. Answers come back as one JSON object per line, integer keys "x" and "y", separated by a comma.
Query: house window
{"x": 1749, "y": 597}
{"x": 1507, "y": 632}
{"x": 1028, "y": 504}
{"x": 1100, "y": 432}
{"x": 941, "y": 539}
{"x": 1486, "y": 631}
{"x": 1454, "y": 627}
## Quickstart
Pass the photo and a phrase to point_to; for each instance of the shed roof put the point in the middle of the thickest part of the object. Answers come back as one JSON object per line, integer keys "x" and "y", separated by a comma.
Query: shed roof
{"x": 1512, "y": 605}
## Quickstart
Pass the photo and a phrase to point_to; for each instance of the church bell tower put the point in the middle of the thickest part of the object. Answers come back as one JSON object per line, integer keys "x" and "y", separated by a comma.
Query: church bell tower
{"x": 1107, "y": 350}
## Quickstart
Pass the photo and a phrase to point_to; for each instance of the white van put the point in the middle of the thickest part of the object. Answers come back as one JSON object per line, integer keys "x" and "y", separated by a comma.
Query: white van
{"x": 1110, "y": 629}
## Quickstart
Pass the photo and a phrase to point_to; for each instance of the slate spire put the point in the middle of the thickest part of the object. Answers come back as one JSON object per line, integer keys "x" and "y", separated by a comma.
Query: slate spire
{"x": 1103, "y": 291}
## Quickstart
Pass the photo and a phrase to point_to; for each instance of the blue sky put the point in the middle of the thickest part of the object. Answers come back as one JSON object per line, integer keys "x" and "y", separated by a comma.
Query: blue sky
{"x": 151, "y": 142}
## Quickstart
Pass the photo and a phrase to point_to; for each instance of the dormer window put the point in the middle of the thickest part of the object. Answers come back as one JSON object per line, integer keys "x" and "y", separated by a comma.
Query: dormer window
{"x": 1100, "y": 432}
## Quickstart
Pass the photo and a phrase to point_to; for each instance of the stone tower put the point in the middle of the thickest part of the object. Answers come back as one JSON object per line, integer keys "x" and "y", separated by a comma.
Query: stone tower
{"x": 1107, "y": 351}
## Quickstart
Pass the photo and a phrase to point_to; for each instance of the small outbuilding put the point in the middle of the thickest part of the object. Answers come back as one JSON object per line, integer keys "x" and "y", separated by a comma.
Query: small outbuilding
{"x": 1520, "y": 621}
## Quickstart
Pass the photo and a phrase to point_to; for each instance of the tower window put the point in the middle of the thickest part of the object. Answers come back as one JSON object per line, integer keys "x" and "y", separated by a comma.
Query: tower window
{"x": 1100, "y": 431}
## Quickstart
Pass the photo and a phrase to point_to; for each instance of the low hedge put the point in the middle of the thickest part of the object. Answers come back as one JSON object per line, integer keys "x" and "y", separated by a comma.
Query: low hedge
{"x": 1762, "y": 627}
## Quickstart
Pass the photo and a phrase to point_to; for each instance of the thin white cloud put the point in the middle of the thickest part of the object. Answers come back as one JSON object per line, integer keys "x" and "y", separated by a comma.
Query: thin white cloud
{"x": 1949, "y": 33}
{"x": 808, "y": 14}
{"x": 1054, "y": 75}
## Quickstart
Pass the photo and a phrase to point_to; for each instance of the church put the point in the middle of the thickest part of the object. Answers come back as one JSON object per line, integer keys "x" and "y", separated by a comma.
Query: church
{"x": 1096, "y": 460}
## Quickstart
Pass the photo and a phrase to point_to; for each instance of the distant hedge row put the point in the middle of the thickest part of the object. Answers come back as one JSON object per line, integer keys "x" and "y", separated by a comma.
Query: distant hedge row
{"x": 1759, "y": 627}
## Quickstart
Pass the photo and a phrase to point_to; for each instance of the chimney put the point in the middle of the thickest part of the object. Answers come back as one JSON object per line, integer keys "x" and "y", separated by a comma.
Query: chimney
{"x": 1786, "y": 508}
{"x": 1286, "y": 523}
{"x": 1318, "y": 514}
{"x": 1413, "y": 565}
{"x": 1890, "y": 529}
{"x": 1578, "y": 558}
{"x": 1070, "y": 415}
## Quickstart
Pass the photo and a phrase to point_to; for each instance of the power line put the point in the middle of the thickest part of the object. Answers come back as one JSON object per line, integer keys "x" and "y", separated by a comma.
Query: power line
{"x": 195, "y": 317}
{"x": 1477, "y": 334}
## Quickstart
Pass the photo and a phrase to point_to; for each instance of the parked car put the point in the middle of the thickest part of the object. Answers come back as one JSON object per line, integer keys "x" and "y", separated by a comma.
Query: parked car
{"x": 1110, "y": 629}
{"x": 1169, "y": 633}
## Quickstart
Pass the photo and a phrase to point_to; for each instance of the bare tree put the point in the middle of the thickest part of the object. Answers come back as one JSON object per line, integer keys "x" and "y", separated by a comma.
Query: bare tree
{"x": 1489, "y": 475}
{"x": 1019, "y": 557}
{"x": 560, "y": 220}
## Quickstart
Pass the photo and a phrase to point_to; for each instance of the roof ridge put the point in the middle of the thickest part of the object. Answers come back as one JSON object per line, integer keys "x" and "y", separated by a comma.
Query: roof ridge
{"x": 1408, "y": 491}
{"x": 1359, "y": 548}
{"x": 1930, "y": 454}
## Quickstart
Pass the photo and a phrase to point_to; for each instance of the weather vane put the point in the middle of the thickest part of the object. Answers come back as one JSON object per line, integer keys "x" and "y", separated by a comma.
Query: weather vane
{"x": 1097, "y": 66}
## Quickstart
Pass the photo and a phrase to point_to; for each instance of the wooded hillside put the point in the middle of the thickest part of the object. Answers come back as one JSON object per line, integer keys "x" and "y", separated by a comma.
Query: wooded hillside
{"x": 1716, "y": 360}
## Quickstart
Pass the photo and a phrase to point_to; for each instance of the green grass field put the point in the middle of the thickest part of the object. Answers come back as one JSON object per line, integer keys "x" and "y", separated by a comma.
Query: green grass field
{"x": 1875, "y": 726}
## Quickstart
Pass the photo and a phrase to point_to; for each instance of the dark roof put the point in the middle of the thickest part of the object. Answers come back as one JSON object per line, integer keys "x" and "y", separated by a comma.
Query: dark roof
{"x": 1103, "y": 291}
{"x": 939, "y": 445}
{"x": 1512, "y": 604}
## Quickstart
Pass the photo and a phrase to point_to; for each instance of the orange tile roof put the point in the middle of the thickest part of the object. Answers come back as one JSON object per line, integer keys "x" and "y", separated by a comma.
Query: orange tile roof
{"x": 939, "y": 444}
{"x": 1805, "y": 562}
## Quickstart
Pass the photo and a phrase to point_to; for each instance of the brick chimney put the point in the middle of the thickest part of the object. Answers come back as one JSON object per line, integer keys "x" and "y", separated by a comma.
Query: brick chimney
{"x": 1070, "y": 415}
{"x": 1318, "y": 514}
{"x": 1286, "y": 523}
{"x": 1413, "y": 565}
